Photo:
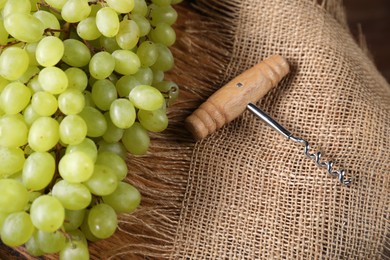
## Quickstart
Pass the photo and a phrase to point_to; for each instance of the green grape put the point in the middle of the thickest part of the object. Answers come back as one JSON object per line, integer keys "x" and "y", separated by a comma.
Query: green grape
{"x": 76, "y": 53}
{"x": 88, "y": 99}
{"x": 87, "y": 29}
{"x": 44, "y": 103}
{"x": 14, "y": 98}
{"x": 154, "y": 121}
{"x": 101, "y": 65}
{"x": 73, "y": 219}
{"x": 144, "y": 76}
{"x": 3, "y": 83}
{"x": 125, "y": 84}
{"x": 165, "y": 60}
{"x": 87, "y": 146}
{"x": 143, "y": 24}
{"x": 49, "y": 51}
{"x": 77, "y": 78}
{"x": 86, "y": 230}
{"x": 136, "y": 139}
{"x": 3, "y": 33}
{"x": 94, "y": 9}
{"x": 169, "y": 88}
{"x": 163, "y": 14}
{"x": 13, "y": 131}
{"x": 74, "y": 11}
{"x": 14, "y": 62}
{"x": 49, "y": 20}
{"x": 140, "y": 7}
{"x": 30, "y": 115}
{"x": 103, "y": 181}
{"x": 113, "y": 133}
{"x": 147, "y": 53}
{"x": 126, "y": 62}
{"x": 128, "y": 34}
{"x": 102, "y": 221}
{"x": 71, "y": 101}
{"x": 3, "y": 216}
{"x": 57, "y": 4}
{"x": 109, "y": 44}
{"x": 53, "y": 80}
{"x": 73, "y": 129}
{"x": 158, "y": 76}
{"x": 32, "y": 246}
{"x": 107, "y": 21}
{"x": 14, "y": 196}
{"x": 50, "y": 242}
{"x": 73, "y": 196}
{"x": 161, "y": 2}
{"x": 76, "y": 167}
{"x": 146, "y": 97}
{"x": 24, "y": 27}
{"x": 75, "y": 250}
{"x": 121, "y": 6}
{"x": 17, "y": 229}
{"x": 20, "y": 6}
{"x": 125, "y": 199}
{"x": 163, "y": 33}
{"x": 30, "y": 73}
{"x": 43, "y": 134}
{"x": 103, "y": 94}
{"x": 32, "y": 195}
{"x": 38, "y": 170}
{"x": 47, "y": 213}
{"x": 174, "y": 2}
{"x": 117, "y": 148}
{"x": 34, "y": 84}
{"x": 95, "y": 120}
{"x": 113, "y": 161}
{"x": 30, "y": 48}
{"x": 77, "y": 235}
{"x": 122, "y": 113}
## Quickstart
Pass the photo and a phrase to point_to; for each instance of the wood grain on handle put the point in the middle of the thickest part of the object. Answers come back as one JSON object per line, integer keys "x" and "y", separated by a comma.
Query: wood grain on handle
{"x": 231, "y": 100}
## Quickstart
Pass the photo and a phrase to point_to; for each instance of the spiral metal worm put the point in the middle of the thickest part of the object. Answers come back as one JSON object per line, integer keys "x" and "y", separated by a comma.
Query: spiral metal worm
{"x": 316, "y": 157}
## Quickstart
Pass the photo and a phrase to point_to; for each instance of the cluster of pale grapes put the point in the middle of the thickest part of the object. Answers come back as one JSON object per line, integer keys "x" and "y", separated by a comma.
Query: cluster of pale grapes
{"x": 81, "y": 84}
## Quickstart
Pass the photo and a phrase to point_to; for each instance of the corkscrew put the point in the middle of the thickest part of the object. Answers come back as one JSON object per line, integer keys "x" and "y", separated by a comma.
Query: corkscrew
{"x": 240, "y": 94}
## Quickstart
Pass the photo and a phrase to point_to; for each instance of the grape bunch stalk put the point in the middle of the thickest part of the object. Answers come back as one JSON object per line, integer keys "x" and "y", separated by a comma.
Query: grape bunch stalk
{"x": 82, "y": 84}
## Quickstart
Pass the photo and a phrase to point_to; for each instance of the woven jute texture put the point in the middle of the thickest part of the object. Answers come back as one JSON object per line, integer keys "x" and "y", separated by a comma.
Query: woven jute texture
{"x": 245, "y": 192}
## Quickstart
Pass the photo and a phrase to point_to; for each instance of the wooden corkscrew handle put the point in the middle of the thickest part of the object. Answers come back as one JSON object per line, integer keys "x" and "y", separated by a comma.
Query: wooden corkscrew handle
{"x": 231, "y": 100}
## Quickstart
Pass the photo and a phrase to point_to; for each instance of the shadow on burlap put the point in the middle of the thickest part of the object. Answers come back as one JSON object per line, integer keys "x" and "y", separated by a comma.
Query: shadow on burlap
{"x": 245, "y": 192}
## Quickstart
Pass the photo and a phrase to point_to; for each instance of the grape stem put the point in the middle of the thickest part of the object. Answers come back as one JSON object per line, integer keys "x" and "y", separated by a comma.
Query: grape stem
{"x": 9, "y": 44}
{"x": 42, "y": 3}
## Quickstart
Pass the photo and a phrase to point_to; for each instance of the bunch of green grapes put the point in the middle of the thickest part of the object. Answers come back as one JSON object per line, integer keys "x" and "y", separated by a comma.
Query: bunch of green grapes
{"x": 81, "y": 84}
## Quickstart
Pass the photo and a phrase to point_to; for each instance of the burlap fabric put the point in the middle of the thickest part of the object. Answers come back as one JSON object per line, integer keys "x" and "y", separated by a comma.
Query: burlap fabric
{"x": 245, "y": 192}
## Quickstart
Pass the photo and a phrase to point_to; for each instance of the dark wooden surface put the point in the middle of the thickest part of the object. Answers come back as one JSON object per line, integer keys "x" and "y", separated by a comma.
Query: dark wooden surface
{"x": 373, "y": 17}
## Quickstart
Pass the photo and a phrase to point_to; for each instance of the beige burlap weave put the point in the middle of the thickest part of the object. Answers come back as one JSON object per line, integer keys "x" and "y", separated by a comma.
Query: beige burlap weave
{"x": 245, "y": 192}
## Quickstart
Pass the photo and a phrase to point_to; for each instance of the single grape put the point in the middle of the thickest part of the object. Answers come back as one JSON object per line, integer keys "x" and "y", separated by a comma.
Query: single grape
{"x": 122, "y": 113}
{"x": 24, "y": 27}
{"x": 102, "y": 221}
{"x": 74, "y": 11}
{"x": 103, "y": 181}
{"x": 165, "y": 59}
{"x": 76, "y": 53}
{"x": 77, "y": 78}
{"x": 87, "y": 146}
{"x": 49, "y": 51}
{"x": 86, "y": 230}
{"x": 13, "y": 131}
{"x": 128, "y": 34}
{"x": 136, "y": 139}
{"x": 74, "y": 250}
{"x": 125, "y": 84}
{"x": 17, "y": 229}
{"x": 14, "y": 98}
{"x": 103, "y": 94}
{"x": 154, "y": 121}
{"x": 50, "y": 242}
{"x": 14, "y": 62}
{"x": 121, "y": 6}
{"x": 57, "y": 4}
{"x": 71, "y": 101}
{"x": 144, "y": 76}
{"x": 53, "y": 80}
{"x": 95, "y": 121}
{"x": 161, "y": 2}
{"x": 126, "y": 62}
{"x": 87, "y": 29}
{"x": 107, "y": 21}
{"x": 163, "y": 14}
{"x": 21, "y": 6}
{"x": 43, "y": 134}
{"x": 125, "y": 199}
{"x": 117, "y": 148}
{"x": 44, "y": 103}
{"x": 47, "y": 213}
{"x": 32, "y": 247}
{"x": 73, "y": 196}
{"x": 14, "y": 196}
{"x": 113, "y": 161}
{"x": 147, "y": 53}
{"x": 73, "y": 129}
{"x": 101, "y": 65}
{"x": 109, "y": 44}
{"x": 11, "y": 161}
{"x": 76, "y": 167}
{"x": 163, "y": 33}
{"x": 113, "y": 133}
{"x": 146, "y": 97}
{"x": 140, "y": 7}
{"x": 143, "y": 24}
{"x": 73, "y": 219}
{"x": 38, "y": 170}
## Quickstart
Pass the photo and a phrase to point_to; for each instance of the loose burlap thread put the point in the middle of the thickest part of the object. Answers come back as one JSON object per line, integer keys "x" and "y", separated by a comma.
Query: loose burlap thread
{"x": 245, "y": 192}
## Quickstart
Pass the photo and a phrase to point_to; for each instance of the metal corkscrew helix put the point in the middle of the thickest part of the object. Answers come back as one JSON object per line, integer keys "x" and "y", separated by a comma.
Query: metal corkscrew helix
{"x": 316, "y": 157}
